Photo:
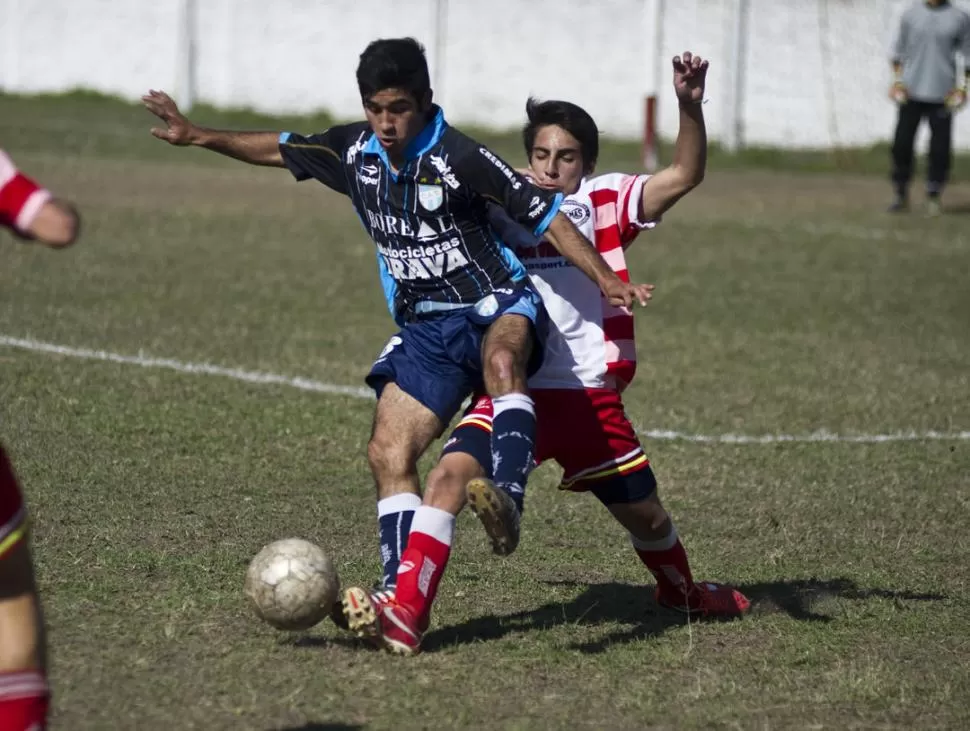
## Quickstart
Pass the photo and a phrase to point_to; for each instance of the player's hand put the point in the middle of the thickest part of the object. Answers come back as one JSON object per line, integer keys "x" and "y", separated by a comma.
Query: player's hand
{"x": 624, "y": 294}
{"x": 956, "y": 99}
{"x": 690, "y": 75}
{"x": 179, "y": 130}
{"x": 898, "y": 93}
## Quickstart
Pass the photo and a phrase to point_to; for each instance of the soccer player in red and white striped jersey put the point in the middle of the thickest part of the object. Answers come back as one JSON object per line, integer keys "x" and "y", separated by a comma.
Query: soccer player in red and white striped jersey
{"x": 31, "y": 213}
{"x": 590, "y": 358}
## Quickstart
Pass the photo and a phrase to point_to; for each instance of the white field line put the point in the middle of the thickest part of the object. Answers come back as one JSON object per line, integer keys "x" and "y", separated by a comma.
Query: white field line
{"x": 307, "y": 384}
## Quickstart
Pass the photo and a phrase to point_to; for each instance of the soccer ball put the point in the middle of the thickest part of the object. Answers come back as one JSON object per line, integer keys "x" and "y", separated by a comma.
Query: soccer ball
{"x": 292, "y": 584}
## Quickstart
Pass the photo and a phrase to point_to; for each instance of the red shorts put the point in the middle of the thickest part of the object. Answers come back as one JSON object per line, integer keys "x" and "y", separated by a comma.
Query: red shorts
{"x": 13, "y": 514}
{"x": 585, "y": 430}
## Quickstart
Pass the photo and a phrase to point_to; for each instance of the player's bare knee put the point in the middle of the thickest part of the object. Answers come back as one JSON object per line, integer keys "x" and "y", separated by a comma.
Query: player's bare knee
{"x": 654, "y": 513}
{"x": 503, "y": 372}
{"x": 648, "y": 521}
{"x": 445, "y": 489}
{"x": 389, "y": 458}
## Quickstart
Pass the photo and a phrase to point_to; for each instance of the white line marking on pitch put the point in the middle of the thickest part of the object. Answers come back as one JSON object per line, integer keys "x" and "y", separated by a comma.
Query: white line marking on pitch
{"x": 308, "y": 384}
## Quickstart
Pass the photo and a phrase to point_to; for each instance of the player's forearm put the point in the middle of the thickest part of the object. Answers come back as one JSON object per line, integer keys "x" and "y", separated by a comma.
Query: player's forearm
{"x": 569, "y": 242}
{"x": 686, "y": 171}
{"x": 690, "y": 150}
{"x": 897, "y": 67}
{"x": 256, "y": 148}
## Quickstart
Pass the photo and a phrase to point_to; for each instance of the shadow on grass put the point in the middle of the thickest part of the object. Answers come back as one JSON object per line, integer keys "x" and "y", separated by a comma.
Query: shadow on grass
{"x": 631, "y": 604}
{"x": 312, "y": 641}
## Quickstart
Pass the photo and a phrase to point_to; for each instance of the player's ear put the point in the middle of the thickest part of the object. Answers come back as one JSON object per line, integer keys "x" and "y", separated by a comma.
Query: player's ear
{"x": 427, "y": 98}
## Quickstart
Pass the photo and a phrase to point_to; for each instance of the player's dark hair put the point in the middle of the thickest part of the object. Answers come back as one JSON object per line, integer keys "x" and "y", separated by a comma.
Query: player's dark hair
{"x": 393, "y": 63}
{"x": 572, "y": 118}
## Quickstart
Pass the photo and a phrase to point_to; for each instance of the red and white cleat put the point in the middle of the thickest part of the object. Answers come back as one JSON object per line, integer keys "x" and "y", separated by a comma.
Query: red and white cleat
{"x": 707, "y": 600}
{"x": 379, "y": 618}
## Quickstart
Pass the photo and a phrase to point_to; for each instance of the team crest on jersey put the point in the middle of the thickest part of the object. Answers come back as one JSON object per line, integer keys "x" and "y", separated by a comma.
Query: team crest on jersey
{"x": 431, "y": 196}
{"x": 577, "y": 212}
{"x": 487, "y": 306}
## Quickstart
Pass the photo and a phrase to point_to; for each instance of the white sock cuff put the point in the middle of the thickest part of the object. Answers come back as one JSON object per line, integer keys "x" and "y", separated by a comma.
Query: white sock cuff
{"x": 23, "y": 684}
{"x": 399, "y": 503}
{"x": 434, "y": 522}
{"x": 511, "y": 401}
{"x": 663, "y": 544}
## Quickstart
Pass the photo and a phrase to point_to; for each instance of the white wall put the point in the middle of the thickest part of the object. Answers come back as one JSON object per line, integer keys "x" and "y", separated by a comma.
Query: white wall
{"x": 814, "y": 72}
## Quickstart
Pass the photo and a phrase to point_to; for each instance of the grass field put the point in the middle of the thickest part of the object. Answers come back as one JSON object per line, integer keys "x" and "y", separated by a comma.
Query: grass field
{"x": 786, "y": 304}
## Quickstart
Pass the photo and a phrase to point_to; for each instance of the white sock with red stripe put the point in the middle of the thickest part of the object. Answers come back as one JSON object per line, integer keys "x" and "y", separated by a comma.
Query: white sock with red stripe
{"x": 23, "y": 700}
{"x": 424, "y": 560}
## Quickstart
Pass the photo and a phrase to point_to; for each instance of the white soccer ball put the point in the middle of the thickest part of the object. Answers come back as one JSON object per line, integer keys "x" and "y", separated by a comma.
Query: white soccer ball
{"x": 292, "y": 584}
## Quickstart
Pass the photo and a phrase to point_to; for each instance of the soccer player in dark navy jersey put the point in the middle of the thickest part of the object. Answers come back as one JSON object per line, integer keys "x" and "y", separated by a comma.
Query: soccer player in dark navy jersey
{"x": 468, "y": 315}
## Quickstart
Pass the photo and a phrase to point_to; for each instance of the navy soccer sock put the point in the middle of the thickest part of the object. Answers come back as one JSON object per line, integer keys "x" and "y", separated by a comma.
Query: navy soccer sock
{"x": 513, "y": 443}
{"x": 394, "y": 515}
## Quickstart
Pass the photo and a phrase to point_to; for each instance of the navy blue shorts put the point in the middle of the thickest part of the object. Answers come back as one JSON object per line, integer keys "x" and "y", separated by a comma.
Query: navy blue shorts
{"x": 437, "y": 358}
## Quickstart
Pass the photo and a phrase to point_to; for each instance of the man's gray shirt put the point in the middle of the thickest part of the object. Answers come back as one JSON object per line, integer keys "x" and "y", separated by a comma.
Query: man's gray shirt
{"x": 926, "y": 44}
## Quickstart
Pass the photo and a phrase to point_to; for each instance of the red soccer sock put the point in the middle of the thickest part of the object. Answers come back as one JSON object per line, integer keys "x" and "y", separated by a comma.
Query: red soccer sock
{"x": 23, "y": 701}
{"x": 424, "y": 560}
{"x": 666, "y": 559}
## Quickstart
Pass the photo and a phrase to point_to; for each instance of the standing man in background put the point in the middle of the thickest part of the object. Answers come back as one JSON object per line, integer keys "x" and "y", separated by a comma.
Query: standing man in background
{"x": 924, "y": 48}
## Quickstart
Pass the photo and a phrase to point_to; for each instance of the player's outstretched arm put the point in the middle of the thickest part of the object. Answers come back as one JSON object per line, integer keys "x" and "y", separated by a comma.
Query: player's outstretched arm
{"x": 57, "y": 224}
{"x": 573, "y": 245}
{"x": 29, "y": 210}
{"x": 256, "y": 148}
{"x": 686, "y": 171}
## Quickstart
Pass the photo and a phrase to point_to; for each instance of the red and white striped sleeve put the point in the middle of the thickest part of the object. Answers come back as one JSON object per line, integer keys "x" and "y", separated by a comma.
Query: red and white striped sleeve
{"x": 630, "y": 188}
{"x": 21, "y": 199}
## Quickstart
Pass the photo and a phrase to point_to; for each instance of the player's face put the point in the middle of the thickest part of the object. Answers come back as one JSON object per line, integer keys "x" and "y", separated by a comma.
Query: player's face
{"x": 557, "y": 160}
{"x": 396, "y": 117}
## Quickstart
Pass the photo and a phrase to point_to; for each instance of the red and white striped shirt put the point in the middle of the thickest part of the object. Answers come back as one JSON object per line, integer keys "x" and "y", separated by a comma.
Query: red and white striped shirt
{"x": 591, "y": 344}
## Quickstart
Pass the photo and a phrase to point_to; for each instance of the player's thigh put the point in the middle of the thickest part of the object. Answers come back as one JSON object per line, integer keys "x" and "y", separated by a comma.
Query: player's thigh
{"x": 421, "y": 367}
{"x": 506, "y": 349}
{"x": 403, "y": 427}
{"x": 21, "y": 623}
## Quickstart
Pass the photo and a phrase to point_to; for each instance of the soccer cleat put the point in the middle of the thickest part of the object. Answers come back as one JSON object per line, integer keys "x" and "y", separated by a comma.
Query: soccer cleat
{"x": 708, "y": 601}
{"x": 379, "y": 619}
{"x": 337, "y": 615}
{"x": 498, "y": 513}
{"x": 899, "y": 205}
{"x": 360, "y": 609}
{"x": 400, "y": 630}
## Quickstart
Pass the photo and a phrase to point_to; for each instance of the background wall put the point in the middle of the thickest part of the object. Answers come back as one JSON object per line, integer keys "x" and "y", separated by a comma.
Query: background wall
{"x": 790, "y": 73}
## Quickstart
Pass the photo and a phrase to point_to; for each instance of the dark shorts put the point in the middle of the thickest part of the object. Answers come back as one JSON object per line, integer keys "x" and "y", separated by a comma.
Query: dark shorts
{"x": 437, "y": 359}
{"x": 13, "y": 515}
{"x": 585, "y": 430}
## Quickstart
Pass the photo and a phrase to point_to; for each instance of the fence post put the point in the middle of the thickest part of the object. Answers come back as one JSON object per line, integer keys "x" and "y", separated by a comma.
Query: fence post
{"x": 734, "y": 107}
{"x": 185, "y": 55}
{"x": 654, "y": 21}
{"x": 438, "y": 54}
